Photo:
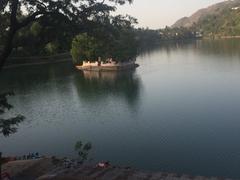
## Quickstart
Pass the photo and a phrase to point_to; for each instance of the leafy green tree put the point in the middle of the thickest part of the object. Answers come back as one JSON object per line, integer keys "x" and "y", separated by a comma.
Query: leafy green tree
{"x": 51, "y": 48}
{"x": 36, "y": 29}
{"x": 78, "y": 12}
{"x": 125, "y": 46}
{"x": 84, "y": 47}
{"x": 115, "y": 39}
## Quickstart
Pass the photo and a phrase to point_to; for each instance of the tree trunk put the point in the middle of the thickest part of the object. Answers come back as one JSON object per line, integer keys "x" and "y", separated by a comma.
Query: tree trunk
{"x": 12, "y": 31}
{"x": 7, "y": 48}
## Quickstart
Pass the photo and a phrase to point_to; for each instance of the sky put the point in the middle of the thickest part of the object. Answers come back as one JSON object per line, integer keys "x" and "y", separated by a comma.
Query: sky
{"x": 160, "y": 13}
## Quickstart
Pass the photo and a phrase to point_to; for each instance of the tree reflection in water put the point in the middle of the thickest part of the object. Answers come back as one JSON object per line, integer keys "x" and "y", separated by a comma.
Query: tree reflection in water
{"x": 95, "y": 86}
{"x": 8, "y": 126}
{"x": 83, "y": 151}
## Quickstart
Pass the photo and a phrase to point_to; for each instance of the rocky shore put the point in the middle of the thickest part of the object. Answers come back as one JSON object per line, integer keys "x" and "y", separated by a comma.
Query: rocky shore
{"x": 56, "y": 169}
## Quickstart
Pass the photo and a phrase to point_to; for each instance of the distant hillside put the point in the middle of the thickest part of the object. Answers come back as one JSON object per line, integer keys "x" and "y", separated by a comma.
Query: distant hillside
{"x": 219, "y": 19}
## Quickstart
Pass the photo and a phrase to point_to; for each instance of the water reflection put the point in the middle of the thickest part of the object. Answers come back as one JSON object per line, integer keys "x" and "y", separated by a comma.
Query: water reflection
{"x": 96, "y": 86}
{"x": 167, "y": 46}
{"x": 220, "y": 47}
{"x": 190, "y": 113}
{"x": 23, "y": 79}
{"x": 226, "y": 47}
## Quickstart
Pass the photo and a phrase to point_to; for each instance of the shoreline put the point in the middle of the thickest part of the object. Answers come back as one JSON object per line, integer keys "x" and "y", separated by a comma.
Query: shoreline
{"x": 52, "y": 168}
{"x": 13, "y": 62}
{"x": 35, "y": 64}
{"x": 220, "y": 37}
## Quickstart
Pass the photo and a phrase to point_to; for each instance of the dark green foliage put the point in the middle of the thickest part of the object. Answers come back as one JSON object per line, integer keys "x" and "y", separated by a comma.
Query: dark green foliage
{"x": 125, "y": 46}
{"x": 4, "y": 21}
{"x": 4, "y": 103}
{"x": 148, "y": 37}
{"x": 60, "y": 21}
{"x": 223, "y": 23}
{"x": 8, "y": 126}
{"x": 177, "y": 33}
{"x": 84, "y": 47}
{"x": 36, "y": 29}
{"x": 114, "y": 38}
{"x": 51, "y": 48}
{"x": 83, "y": 150}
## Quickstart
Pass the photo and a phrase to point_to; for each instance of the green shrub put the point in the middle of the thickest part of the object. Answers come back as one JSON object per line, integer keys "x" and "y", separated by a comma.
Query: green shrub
{"x": 84, "y": 47}
{"x": 51, "y": 48}
{"x": 36, "y": 28}
{"x": 121, "y": 48}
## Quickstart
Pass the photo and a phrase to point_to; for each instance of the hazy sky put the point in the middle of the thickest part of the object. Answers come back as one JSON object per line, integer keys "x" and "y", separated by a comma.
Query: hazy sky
{"x": 159, "y": 13}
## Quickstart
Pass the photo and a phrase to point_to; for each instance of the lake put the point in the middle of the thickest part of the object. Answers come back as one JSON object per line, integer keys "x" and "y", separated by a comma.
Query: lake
{"x": 178, "y": 112}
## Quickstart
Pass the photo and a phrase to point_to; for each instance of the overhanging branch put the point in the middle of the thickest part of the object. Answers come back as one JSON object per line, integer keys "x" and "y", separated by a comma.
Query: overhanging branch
{"x": 3, "y": 4}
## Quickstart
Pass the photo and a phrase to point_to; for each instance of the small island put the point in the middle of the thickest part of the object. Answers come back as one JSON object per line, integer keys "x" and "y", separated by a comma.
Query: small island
{"x": 91, "y": 53}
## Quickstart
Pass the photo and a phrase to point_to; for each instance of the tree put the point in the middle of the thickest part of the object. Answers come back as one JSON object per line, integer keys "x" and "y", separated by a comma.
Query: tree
{"x": 123, "y": 44}
{"x": 84, "y": 47}
{"x": 8, "y": 126}
{"x": 114, "y": 38}
{"x": 77, "y": 11}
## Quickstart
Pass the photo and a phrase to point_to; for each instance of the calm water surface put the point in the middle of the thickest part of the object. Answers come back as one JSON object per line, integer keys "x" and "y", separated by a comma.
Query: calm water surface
{"x": 178, "y": 112}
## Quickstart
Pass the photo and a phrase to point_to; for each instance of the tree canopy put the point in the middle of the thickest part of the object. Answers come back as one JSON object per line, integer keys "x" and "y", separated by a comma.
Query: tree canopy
{"x": 115, "y": 38}
{"x": 84, "y": 47}
{"x": 78, "y": 14}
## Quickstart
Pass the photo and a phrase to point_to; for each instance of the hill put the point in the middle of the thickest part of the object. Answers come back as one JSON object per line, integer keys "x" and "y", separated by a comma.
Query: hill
{"x": 219, "y": 19}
